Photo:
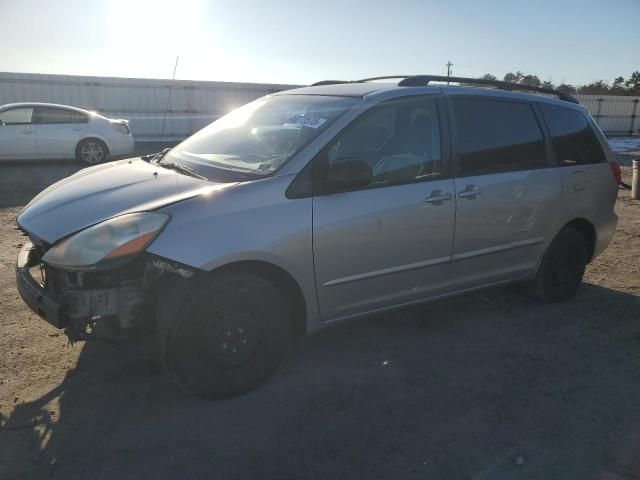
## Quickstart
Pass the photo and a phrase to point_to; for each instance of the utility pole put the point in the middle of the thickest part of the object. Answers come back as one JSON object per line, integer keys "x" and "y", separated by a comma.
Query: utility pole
{"x": 449, "y": 65}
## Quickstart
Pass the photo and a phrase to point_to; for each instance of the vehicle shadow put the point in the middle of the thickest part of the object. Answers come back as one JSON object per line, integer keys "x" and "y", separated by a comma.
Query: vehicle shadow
{"x": 486, "y": 385}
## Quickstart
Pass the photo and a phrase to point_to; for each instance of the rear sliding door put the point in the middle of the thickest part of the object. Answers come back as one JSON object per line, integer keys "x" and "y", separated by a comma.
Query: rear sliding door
{"x": 508, "y": 191}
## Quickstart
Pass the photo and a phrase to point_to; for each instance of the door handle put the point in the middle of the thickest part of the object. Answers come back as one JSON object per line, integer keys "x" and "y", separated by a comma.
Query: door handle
{"x": 470, "y": 192}
{"x": 27, "y": 132}
{"x": 437, "y": 197}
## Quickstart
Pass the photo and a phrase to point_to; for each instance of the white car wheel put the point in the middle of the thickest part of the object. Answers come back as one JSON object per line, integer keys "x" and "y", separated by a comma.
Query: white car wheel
{"x": 92, "y": 151}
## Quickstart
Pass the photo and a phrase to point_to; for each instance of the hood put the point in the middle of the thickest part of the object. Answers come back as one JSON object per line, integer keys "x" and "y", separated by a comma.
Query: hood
{"x": 98, "y": 193}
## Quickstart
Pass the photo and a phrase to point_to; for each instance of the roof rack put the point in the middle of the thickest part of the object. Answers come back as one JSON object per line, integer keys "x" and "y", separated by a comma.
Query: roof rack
{"x": 329, "y": 82}
{"x": 387, "y": 77}
{"x": 423, "y": 80}
{"x": 338, "y": 82}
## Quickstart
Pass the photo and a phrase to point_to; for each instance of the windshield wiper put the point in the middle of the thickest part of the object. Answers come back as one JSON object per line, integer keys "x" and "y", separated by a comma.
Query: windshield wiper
{"x": 155, "y": 157}
{"x": 179, "y": 167}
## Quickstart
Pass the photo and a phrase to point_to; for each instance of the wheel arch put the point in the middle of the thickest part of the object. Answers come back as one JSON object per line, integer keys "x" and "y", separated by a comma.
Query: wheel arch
{"x": 282, "y": 280}
{"x": 588, "y": 231}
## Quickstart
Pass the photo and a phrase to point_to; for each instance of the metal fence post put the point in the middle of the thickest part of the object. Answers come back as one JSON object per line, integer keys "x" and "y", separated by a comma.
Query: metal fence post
{"x": 635, "y": 180}
{"x": 600, "y": 100}
{"x": 93, "y": 98}
{"x": 189, "y": 92}
{"x": 633, "y": 116}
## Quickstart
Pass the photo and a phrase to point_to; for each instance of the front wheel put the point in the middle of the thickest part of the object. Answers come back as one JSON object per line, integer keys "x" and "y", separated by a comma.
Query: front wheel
{"x": 91, "y": 151}
{"x": 229, "y": 336}
{"x": 562, "y": 268}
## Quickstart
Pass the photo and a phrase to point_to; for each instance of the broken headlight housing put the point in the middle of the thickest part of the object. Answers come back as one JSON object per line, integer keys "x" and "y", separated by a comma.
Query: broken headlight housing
{"x": 107, "y": 244}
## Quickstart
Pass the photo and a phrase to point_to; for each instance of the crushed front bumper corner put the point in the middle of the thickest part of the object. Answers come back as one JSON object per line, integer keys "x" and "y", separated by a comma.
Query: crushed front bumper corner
{"x": 47, "y": 305}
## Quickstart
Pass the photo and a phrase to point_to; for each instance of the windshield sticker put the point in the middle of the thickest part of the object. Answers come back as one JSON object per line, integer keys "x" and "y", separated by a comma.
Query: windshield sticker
{"x": 311, "y": 122}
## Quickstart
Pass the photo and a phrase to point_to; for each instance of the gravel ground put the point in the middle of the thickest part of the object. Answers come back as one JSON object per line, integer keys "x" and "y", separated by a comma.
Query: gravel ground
{"x": 485, "y": 386}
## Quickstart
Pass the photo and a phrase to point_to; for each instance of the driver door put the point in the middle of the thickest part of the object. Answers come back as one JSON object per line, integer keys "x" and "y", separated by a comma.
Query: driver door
{"x": 388, "y": 242}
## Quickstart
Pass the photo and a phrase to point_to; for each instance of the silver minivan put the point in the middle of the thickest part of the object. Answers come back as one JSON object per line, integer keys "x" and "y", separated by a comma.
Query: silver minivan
{"x": 316, "y": 205}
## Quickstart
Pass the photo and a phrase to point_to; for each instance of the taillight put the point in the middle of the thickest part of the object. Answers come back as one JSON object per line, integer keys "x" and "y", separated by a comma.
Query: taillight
{"x": 121, "y": 127}
{"x": 615, "y": 169}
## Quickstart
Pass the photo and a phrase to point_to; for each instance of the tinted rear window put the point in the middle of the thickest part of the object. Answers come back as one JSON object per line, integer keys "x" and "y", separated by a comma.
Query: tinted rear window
{"x": 574, "y": 141}
{"x": 59, "y": 115}
{"x": 497, "y": 136}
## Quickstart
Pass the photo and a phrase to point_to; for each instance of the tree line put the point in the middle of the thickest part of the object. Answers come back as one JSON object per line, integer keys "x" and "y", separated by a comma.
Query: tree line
{"x": 619, "y": 86}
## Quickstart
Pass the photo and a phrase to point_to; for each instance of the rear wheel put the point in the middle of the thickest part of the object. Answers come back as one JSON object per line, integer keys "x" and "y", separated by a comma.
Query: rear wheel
{"x": 91, "y": 151}
{"x": 229, "y": 336}
{"x": 562, "y": 267}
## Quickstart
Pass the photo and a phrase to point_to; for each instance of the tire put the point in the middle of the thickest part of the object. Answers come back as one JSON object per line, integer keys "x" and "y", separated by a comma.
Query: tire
{"x": 229, "y": 336}
{"x": 150, "y": 354}
{"x": 562, "y": 268}
{"x": 91, "y": 151}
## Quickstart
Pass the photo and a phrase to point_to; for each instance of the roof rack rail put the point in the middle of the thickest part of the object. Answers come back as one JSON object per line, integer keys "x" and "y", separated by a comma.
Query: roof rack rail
{"x": 337, "y": 82}
{"x": 329, "y": 82}
{"x": 422, "y": 80}
{"x": 386, "y": 77}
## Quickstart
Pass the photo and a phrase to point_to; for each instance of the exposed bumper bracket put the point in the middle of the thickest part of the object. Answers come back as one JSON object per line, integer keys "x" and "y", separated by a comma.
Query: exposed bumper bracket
{"x": 44, "y": 303}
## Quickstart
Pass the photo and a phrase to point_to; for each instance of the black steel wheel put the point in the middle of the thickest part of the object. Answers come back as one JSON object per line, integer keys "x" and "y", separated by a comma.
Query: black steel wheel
{"x": 229, "y": 336}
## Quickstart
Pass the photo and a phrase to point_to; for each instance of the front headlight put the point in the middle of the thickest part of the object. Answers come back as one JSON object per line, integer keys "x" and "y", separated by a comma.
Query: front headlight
{"x": 106, "y": 243}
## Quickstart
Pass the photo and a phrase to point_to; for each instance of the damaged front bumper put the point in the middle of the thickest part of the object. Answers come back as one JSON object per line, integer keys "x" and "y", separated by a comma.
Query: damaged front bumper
{"x": 40, "y": 300}
{"x": 114, "y": 304}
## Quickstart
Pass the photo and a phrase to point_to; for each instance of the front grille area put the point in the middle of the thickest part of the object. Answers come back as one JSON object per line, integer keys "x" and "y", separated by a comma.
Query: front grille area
{"x": 107, "y": 302}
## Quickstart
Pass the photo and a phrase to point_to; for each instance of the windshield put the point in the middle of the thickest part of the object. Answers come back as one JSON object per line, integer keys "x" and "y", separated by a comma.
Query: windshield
{"x": 262, "y": 135}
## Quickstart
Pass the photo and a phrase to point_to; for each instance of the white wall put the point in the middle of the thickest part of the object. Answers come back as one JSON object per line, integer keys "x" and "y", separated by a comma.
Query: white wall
{"x": 190, "y": 104}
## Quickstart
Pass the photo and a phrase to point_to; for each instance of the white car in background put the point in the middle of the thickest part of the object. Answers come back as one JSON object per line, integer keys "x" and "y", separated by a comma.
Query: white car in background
{"x": 47, "y": 130}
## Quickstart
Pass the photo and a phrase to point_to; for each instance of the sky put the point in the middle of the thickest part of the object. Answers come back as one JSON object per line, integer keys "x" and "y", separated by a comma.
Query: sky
{"x": 299, "y": 42}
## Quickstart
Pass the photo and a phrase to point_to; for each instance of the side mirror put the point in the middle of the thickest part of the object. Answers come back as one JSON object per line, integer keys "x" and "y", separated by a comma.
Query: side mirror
{"x": 349, "y": 173}
{"x": 2, "y": 124}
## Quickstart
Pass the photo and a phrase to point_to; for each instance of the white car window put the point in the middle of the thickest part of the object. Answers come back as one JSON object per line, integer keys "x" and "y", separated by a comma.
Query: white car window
{"x": 51, "y": 115}
{"x": 17, "y": 116}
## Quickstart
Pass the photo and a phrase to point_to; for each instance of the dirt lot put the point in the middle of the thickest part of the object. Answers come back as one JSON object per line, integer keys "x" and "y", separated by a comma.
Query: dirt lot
{"x": 486, "y": 386}
{"x": 21, "y": 180}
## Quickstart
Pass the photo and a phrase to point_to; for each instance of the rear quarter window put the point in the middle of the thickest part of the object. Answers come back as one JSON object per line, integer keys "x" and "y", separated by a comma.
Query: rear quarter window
{"x": 79, "y": 117}
{"x": 572, "y": 136}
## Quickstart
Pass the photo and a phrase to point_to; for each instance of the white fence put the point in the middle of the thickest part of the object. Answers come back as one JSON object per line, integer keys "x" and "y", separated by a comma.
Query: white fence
{"x": 616, "y": 115}
{"x": 160, "y": 109}
{"x": 156, "y": 109}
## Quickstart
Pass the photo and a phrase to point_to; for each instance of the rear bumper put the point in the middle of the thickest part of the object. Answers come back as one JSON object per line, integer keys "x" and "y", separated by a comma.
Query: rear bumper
{"x": 605, "y": 226}
{"x": 122, "y": 145}
{"x": 47, "y": 305}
